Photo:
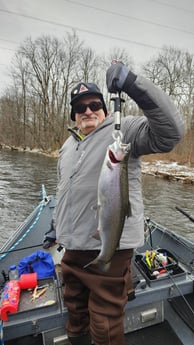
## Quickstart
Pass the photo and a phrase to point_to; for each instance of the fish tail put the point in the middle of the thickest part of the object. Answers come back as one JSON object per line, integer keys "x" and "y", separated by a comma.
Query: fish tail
{"x": 103, "y": 266}
{"x": 93, "y": 262}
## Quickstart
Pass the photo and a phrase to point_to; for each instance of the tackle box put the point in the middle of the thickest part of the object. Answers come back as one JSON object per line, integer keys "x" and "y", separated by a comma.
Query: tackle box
{"x": 159, "y": 272}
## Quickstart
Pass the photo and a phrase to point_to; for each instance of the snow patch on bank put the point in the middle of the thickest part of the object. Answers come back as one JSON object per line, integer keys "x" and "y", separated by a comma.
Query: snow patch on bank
{"x": 169, "y": 170}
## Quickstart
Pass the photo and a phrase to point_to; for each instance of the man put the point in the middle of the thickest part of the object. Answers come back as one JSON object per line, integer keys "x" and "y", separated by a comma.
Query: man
{"x": 96, "y": 299}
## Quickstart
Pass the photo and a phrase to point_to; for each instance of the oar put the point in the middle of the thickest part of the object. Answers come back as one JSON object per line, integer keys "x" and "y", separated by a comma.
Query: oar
{"x": 185, "y": 213}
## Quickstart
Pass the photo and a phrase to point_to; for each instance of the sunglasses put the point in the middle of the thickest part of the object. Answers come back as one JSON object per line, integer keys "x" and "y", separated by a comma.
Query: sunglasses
{"x": 80, "y": 108}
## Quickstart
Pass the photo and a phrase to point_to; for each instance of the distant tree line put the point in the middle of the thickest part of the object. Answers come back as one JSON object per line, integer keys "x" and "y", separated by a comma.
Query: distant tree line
{"x": 35, "y": 110}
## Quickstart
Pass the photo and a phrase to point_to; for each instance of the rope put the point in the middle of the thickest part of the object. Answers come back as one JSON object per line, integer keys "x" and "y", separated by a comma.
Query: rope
{"x": 41, "y": 206}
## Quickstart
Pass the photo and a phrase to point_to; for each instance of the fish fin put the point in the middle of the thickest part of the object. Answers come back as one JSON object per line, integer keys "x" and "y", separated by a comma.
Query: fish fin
{"x": 97, "y": 235}
{"x": 96, "y": 210}
{"x": 93, "y": 262}
{"x": 103, "y": 266}
{"x": 109, "y": 165}
{"x": 129, "y": 212}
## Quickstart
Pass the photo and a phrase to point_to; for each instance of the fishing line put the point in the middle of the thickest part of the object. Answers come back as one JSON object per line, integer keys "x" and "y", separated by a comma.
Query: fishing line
{"x": 180, "y": 292}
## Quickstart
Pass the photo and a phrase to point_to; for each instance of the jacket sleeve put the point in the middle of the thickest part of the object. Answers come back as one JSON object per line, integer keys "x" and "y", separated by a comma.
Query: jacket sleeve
{"x": 161, "y": 127}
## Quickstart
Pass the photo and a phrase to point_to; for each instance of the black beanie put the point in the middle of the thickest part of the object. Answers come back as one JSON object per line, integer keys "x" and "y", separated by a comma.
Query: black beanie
{"x": 83, "y": 89}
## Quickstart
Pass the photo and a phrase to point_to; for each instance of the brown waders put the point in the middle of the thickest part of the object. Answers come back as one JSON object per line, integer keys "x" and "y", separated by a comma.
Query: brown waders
{"x": 96, "y": 300}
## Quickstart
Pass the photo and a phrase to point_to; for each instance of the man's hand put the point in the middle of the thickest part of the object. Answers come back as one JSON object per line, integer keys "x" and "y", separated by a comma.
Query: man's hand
{"x": 116, "y": 76}
{"x": 49, "y": 237}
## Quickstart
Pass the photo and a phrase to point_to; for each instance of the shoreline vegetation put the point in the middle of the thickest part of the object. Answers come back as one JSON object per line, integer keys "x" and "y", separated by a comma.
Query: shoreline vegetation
{"x": 177, "y": 165}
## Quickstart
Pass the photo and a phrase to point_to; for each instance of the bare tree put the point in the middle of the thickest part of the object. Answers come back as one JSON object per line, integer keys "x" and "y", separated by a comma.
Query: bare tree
{"x": 10, "y": 121}
{"x": 20, "y": 78}
{"x": 70, "y": 71}
{"x": 51, "y": 71}
{"x": 173, "y": 70}
{"x": 44, "y": 72}
{"x": 88, "y": 66}
{"x": 35, "y": 111}
{"x": 121, "y": 55}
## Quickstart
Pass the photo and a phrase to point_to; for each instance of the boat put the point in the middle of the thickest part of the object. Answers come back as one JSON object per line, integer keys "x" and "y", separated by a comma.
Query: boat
{"x": 161, "y": 310}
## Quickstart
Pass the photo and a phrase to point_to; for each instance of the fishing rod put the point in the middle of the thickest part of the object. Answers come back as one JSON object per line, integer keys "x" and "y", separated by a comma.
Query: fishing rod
{"x": 116, "y": 98}
{"x": 19, "y": 249}
{"x": 185, "y": 213}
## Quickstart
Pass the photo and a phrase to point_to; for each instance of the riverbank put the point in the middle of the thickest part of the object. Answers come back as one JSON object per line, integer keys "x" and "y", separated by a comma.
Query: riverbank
{"x": 49, "y": 153}
{"x": 158, "y": 165}
{"x": 169, "y": 171}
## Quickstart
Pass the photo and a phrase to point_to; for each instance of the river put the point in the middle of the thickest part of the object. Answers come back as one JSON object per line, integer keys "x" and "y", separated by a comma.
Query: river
{"x": 22, "y": 175}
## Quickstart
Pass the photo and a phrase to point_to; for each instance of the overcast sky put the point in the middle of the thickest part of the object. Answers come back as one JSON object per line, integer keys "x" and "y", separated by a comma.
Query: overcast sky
{"x": 142, "y": 27}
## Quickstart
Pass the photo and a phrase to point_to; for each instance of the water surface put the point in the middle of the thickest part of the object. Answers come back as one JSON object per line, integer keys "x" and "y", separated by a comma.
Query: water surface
{"x": 22, "y": 175}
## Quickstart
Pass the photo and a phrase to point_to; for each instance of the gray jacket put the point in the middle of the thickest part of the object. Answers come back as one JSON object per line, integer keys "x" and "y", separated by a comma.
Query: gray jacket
{"x": 80, "y": 163}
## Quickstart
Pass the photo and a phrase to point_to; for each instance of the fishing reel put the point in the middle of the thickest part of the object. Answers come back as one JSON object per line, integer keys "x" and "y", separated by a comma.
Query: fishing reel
{"x": 117, "y": 134}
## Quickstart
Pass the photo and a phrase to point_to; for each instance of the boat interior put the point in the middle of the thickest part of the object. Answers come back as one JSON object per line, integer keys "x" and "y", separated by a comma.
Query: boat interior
{"x": 160, "y": 311}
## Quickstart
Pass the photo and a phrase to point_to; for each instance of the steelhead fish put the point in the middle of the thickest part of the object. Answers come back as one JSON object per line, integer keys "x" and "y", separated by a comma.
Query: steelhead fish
{"x": 113, "y": 202}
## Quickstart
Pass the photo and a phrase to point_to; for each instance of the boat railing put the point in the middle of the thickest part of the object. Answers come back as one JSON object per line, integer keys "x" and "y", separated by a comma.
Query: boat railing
{"x": 24, "y": 228}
